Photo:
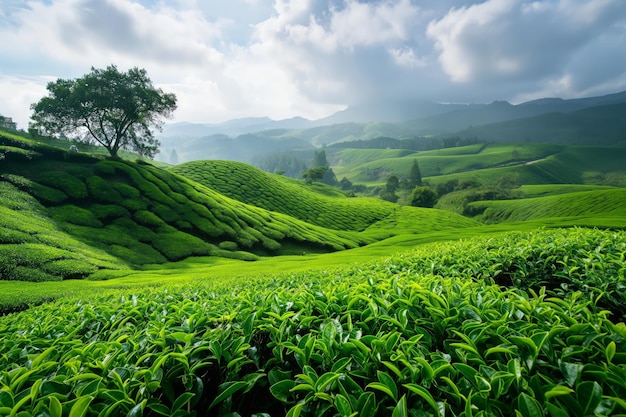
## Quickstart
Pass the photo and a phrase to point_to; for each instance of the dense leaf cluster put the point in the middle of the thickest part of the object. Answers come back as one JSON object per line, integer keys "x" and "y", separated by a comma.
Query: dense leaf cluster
{"x": 424, "y": 334}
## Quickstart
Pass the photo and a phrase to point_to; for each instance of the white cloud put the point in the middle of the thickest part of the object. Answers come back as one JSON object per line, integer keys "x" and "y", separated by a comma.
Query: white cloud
{"x": 284, "y": 58}
{"x": 18, "y": 93}
{"x": 373, "y": 24}
{"x": 512, "y": 40}
{"x": 407, "y": 57}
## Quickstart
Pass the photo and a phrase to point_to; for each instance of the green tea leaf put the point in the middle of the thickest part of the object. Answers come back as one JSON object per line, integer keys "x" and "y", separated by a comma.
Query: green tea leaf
{"x": 401, "y": 409}
{"x": 381, "y": 387}
{"x": 343, "y": 405}
{"x": 55, "y": 409}
{"x": 528, "y": 406}
{"x": 137, "y": 410}
{"x": 589, "y": 395}
{"x": 367, "y": 405}
{"x": 610, "y": 350}
{"x": 226, "y": 390}
{"x": 324, "y": 381}
{"x": 556, "y": 391}
{"x": 295, "y": 410}
{"x": 80, "y": 407}
{"x": 184, "y": 398}
{"x": 556, "y": 411}
{"x": 424, "y": 394}
{"x": 571, "y": 371}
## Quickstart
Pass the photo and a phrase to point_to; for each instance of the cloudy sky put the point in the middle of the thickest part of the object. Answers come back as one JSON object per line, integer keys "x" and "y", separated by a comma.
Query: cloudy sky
{"x": 226, "y": 59}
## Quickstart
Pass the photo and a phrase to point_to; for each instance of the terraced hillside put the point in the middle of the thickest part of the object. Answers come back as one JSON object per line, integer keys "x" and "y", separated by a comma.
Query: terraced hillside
{"x": 608, "y": 205}
{"x": 135, "y": 213}
{"x": 530, "y": 163}
{"x": 440, "y": 162}
{"x": 34, "y": 248}
{"x": 272, "y": 192}
{"x": 73, "y": 215}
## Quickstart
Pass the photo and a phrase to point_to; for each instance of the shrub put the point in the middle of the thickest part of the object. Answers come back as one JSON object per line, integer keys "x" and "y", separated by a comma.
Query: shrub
{"x": 102, "y": 190}
{"x": 422, "y": 196}
{"x": 166, "y": 213}
{"x": 24, "y": 273}
{"x": 126, "y": 190}
{"x": 14, "y": 236}
{"x": 105, "y": 168}
{"x": 228, "y": 245}
{"x": 70, "y": 268}
{"x": 109, "y": 211}
{"x": 130, "y": 230}
{"x": 75, "y": 215}
{"x": 135, "y": 204}
{"x": 178, "y": 245}
{"x": 139, "y": 254}
{"x": 48, "y": 194}
{"x": 65, "y": 182}
{"x": 148, "y": 219}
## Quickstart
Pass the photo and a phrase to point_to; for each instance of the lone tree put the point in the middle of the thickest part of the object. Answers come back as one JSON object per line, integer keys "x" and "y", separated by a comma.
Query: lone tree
{"x": 423, "y": 196}
{"x": 315, "y": 174}
{"x": 117, "y": 109}
{"x": 388, "y": 192}
{"x": 415, "y": 175}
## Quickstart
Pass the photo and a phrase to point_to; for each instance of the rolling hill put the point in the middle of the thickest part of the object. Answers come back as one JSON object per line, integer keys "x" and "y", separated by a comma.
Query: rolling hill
{"x": 135, "y": 212}
{"x": 74, "y": 215}
{"x": 272, "y": 192}
{"x": 586, "y": 207}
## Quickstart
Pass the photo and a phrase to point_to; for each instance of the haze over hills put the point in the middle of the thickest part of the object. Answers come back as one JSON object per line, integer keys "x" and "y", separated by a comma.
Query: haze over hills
{"x": 549, "y": 120}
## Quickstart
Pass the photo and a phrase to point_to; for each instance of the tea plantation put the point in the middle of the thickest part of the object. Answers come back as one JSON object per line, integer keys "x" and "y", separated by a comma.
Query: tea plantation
{"x": 526, "y": 324}
{"x": 214, "y": 289}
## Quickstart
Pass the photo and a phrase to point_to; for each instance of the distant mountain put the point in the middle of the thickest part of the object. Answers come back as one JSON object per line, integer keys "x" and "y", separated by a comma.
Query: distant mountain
{"x": 599, "y": 125}
{"x": 385, "y": 112}
{"x": 234, "y": 127}
{"x": 243, "y": 148}
{"x": 501, "y": 111}
{"x": 548, "y": 119}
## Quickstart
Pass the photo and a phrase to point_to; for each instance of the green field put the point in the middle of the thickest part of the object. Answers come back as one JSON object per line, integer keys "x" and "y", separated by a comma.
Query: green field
{"x": 213, "y": 288}
{"x": 607, "y": 204}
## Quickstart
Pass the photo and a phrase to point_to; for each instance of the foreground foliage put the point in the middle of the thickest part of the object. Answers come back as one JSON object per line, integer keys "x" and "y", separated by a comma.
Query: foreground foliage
{"x": 429, "y": 333}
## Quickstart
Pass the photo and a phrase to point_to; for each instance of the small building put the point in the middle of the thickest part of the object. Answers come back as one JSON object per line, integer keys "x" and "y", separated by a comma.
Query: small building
{"x": 7, "y": 123}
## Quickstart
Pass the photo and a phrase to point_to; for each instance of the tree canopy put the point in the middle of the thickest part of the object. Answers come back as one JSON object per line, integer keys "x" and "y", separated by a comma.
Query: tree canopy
{"x": 415, "y": 175}
{"x": 118, "y": 110}
{"x": 423, "y": 196}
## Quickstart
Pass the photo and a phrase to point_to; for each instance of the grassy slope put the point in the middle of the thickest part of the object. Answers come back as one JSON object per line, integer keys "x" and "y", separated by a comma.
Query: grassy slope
{"x": 542, "y": 190}
{"x": 531, "y": 163}
{"x": 136, "y": 214}
{"x": 273, "y": 192}
{"x": 603, "y": 204}
{"x": 142, "y": 214}
{"x": 454, "y": 162}
{"x": 572, "y": 165}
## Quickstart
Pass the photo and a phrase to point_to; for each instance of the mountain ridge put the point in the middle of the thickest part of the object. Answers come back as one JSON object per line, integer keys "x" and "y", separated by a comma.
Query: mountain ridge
{"x": 251, "y": 137}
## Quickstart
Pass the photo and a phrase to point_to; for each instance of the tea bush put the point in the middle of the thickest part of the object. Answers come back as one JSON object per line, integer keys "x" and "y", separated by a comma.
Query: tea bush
{"x": 426, "y": 333}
